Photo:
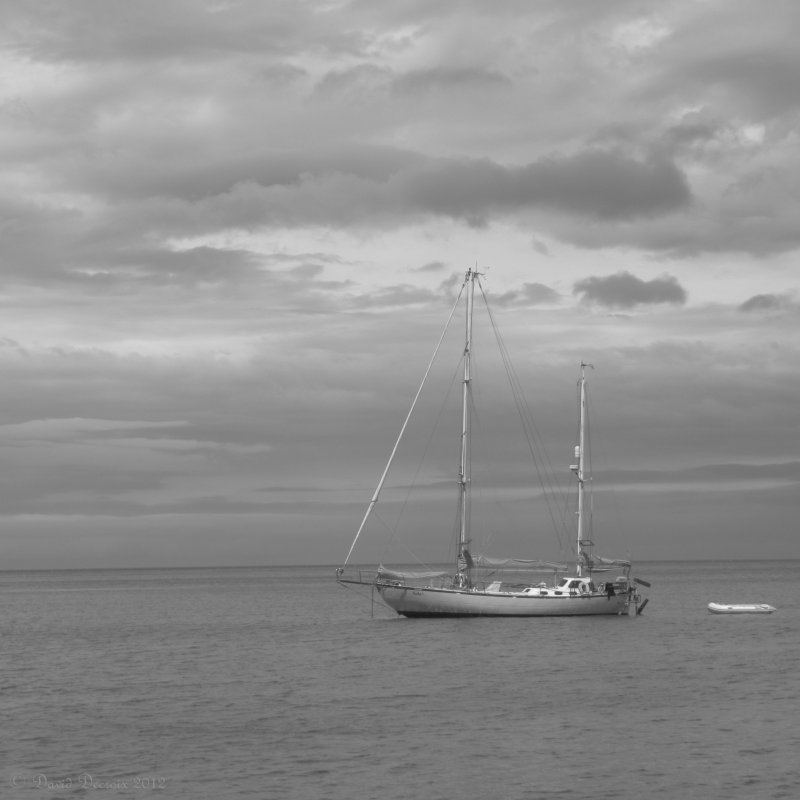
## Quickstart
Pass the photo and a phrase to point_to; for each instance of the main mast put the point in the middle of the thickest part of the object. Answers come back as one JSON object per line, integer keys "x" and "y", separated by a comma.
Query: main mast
{"x": 579, "y": 470}
{"x": 462, "y": 562}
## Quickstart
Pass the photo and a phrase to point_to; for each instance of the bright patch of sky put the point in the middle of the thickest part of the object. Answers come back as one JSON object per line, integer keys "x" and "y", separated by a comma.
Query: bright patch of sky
{"x": 640, "y": 34}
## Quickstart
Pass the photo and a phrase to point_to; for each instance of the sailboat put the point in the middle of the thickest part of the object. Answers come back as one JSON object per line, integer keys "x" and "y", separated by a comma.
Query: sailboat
{"x": 482, "y": 586}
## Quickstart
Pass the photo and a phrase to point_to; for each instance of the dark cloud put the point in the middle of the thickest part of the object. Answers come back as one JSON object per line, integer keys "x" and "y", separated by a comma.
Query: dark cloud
{"x": 377, "y": 186}
{"x": 609, "y": 185}
{"x": 592, "y": 183}
{"x": 624, "y": 290}
{"x": 540, "y": 247}
{"x": 148, "y": 174}
{"x": 694, "y": 131}
{"x": 432, "y": 266}
{"x": 765, "y": 302}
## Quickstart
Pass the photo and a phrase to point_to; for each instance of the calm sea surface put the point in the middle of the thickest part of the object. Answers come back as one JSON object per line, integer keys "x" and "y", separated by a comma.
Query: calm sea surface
{"x": 277, "y": 683}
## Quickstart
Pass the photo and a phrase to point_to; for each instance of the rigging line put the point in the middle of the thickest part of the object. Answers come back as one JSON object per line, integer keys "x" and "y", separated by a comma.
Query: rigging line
{"x": 414, "y": 481}
{"x": 455, "y": 533}
{"x": 518, "y": 393}
{"x": 477, "y": 442}
{"x": 403, "y": 428}
{"x": 480, "y": 451}
{"x": 481, "y": 491}
{"x": 392, "y": 531}
{"x": 359, "y": 592}
{"x": 608, "y": 484}
{"x": 544, "y": 469}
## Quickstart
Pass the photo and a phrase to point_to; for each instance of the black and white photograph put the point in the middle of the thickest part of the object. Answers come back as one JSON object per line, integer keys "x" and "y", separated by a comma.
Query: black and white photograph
{"x": 400, "y": 399}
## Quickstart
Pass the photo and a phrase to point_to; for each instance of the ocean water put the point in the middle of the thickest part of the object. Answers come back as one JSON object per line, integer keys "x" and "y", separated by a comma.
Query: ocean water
{"x": 277, "y": 683}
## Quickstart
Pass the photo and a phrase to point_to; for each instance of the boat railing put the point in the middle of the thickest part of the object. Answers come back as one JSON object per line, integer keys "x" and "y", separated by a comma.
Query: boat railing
{"x": 378, "y": 578}
{"x": 415, "y": 581}
{"x": 365, "y": 576}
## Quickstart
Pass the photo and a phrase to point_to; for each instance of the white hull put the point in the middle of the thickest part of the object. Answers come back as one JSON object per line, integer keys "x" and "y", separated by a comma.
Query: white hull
{"x": 429, "y": 602}
{"x": 740, "y": 608}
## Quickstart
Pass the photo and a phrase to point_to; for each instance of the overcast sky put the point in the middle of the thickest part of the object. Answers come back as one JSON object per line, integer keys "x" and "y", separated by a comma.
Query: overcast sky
{"x": 231, "y": 232}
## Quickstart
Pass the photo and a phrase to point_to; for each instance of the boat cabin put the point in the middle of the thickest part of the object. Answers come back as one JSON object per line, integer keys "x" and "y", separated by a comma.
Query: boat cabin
{"x": 580, "y": 585}
{"x": 565, "y": 586}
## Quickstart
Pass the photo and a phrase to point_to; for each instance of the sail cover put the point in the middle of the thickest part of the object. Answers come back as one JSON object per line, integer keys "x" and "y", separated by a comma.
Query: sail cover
{"x": 600, "y": 564}
{"x": 517, "y": 564}
{"x": 611, "y": 562}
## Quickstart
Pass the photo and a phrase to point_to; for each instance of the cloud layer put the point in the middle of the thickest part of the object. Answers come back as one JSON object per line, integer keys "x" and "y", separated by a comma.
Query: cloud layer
{"x": 624, "y": 290}
{"x": 231, "y": 233}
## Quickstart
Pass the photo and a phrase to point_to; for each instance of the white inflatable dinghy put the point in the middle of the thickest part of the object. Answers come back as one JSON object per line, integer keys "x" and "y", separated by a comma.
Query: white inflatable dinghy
{"x": 740, "y": 608}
